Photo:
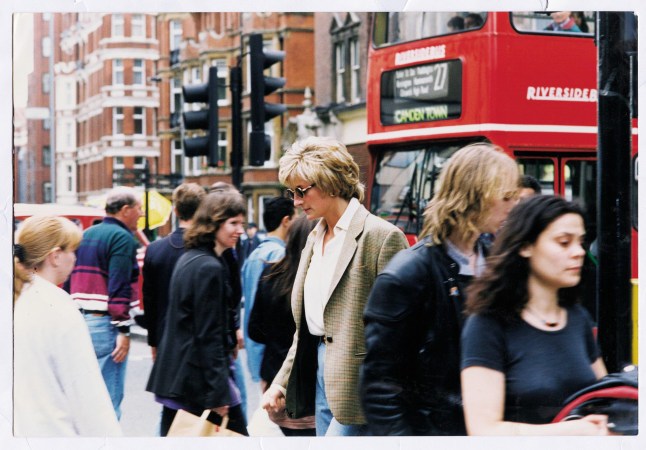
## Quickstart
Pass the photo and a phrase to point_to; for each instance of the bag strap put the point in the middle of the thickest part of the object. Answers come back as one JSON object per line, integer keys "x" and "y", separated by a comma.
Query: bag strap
{"x": 225, "y": 420}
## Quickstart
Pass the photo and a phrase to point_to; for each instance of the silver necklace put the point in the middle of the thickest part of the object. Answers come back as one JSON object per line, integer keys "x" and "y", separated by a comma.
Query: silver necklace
{"x": 547, "y": 323}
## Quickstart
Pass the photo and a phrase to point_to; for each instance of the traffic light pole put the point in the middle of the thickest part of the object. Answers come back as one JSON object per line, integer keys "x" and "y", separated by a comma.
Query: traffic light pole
{"x": 235, "y": 77}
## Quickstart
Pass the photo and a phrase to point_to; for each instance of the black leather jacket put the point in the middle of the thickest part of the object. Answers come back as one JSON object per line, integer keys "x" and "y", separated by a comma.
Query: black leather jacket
{"x": 410, "y": 379}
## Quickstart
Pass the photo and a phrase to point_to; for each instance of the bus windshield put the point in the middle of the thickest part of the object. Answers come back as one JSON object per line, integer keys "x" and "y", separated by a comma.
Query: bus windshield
{"x": 405, "y": 180}
{"x": 396, "y": 27}
{"x": 572, "y": 23}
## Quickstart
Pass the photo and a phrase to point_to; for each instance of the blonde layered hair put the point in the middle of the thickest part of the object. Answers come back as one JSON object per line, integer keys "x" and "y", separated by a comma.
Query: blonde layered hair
{"x": 472, "y": 178}
{"x": 39, "y": 236}
{"x": 325, "y": 163}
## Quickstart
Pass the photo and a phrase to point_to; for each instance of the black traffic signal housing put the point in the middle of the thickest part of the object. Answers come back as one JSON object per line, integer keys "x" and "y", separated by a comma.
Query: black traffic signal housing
{"x": 205, "y": 119}
{"x": 261, "y": 85}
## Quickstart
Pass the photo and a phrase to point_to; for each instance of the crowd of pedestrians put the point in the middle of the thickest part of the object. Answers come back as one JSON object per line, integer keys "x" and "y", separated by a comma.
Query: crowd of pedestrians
{"x": 475, "y": 329}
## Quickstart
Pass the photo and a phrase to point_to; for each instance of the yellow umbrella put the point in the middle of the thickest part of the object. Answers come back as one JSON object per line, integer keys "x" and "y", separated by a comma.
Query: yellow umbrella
{"x": 158, "y": 212}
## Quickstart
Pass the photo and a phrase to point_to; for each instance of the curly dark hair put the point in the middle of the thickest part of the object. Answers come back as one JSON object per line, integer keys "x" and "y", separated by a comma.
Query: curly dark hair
{"x": 501, "y": 291}
{"x": 214, "y": 210}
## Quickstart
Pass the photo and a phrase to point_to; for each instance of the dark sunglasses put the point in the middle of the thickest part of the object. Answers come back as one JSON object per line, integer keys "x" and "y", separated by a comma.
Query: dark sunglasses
{"x": 298, "y": 192}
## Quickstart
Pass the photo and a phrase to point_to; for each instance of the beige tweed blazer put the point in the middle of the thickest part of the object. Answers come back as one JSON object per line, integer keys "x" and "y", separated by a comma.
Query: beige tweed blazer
{"x": 369, "y": 244}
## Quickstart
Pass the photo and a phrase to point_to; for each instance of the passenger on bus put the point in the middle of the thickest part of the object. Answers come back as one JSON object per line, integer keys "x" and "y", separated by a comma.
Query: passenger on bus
{"x": 527, "y": 344}
{"x": 473, "y": 20}
{"x": 339, "y": 264}
{"x": 581, "y": 22}
{"x": 455, "y": 23}
{"x": 562, "y": 21}
{"x": 58, "y": 387}
{"x": 410, "y": 382}
{"x": 529, "y": 186}
{"x": 194, "y": 368}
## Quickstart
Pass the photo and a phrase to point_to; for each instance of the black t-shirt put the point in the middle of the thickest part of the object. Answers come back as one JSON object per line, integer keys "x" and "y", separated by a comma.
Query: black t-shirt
{"x": 542, "y": 368}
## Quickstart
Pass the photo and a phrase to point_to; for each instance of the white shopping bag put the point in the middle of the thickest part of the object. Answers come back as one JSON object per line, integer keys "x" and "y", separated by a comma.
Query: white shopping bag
{"x": 261, "y": 426}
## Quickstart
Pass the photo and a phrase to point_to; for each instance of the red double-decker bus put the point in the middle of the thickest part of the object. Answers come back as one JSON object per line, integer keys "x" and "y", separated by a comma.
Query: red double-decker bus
{"x": 438, "y": 81}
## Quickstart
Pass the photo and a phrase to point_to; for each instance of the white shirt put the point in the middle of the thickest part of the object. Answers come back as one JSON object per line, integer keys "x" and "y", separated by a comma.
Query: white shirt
{"x": 58, "y": 387}
{"x": 322, "y": 266}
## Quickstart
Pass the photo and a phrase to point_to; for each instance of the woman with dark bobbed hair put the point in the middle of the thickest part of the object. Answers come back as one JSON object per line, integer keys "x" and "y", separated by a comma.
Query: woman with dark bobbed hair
{"x": 528, "y": 345}
{"x": 194, "y": 366}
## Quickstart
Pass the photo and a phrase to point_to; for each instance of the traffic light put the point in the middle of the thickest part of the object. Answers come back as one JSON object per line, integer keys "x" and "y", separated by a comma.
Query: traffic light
{"x": 205, "y": 119}
{"x": 261, "y": 111}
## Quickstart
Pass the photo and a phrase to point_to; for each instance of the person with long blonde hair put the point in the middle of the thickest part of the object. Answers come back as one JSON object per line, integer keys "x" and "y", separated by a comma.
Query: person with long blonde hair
{"x": 58, "y": 387}
{"x": 410, "y": 382}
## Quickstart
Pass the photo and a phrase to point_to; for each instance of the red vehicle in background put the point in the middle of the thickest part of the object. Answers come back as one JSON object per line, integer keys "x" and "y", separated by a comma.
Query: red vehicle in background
{"x": 84, "y": 217}
{"x": 434, "y": 87}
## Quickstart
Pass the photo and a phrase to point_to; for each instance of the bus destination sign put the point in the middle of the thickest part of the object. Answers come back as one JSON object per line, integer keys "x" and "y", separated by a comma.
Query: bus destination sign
{"x": 422, "y": 93}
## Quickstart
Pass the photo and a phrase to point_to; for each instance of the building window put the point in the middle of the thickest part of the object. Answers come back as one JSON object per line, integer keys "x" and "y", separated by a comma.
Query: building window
{"x": 175, "y": 34}
{"x": 176, "y": 94}
{"x": 117, "y": 72}
{"x": 46, "y": 83}
{"x": 139, "y": 163}
{"x": 196, "y": 74}
{"x": 117, "y": 120}
{"x": 138, "y": 72}
{"x": 339, "y": 66}
{"x": 177, "y": 155}
{"x": 117, "y": 163}
{"x": 222, "y": 147}
{"x": 138, "y": 25}
{"x": 139, "y": 119}
{"x": 70, "y": 178}
{"x": 46, "y": 124}
{"x": 355, "y": 61}
{"x": 46, "y": 46}
{"x": 47, "y": 192}
{"x": 47, "y": 155}
{"x": 117, "y": 25}
{"x": 223, "y": 74}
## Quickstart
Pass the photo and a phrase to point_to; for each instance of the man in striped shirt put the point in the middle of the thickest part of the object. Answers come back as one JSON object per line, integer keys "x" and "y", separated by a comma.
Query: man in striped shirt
{"x": 102, "y": 285}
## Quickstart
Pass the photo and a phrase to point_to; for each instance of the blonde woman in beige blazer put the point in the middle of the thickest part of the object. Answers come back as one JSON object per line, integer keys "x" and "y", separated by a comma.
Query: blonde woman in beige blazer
{"x": 342, "y": 257}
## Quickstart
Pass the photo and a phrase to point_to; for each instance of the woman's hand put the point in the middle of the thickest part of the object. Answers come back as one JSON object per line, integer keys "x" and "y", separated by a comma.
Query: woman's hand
{"x": 273, "y": 399}
{"x": 221, "y": 410}
{"x": 594, "y": 425}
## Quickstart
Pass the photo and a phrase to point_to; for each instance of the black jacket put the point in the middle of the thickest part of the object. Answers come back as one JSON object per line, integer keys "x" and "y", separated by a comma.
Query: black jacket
{"x": 192, "y": 364}
{"x": 410, "y": 379}
{"x": 271, "y": 323}
{"x": 159, "y": 262}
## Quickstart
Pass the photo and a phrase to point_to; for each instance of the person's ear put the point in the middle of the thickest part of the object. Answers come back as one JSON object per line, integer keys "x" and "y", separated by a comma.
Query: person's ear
{"x": 286, "y": 221}
{"x": 53, "y": 256}
{"x": 526, "y": 251}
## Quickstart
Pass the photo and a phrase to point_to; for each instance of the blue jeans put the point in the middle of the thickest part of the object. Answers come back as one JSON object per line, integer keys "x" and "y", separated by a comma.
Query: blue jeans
{"x": 326, "y": 424}
{"x": 242, "y": 387}
{"x": 104, "y": 340}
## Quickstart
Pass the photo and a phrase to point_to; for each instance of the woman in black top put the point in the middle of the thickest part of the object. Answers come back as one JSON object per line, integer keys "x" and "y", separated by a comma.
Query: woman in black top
{"x": 528, "y": 345}
{"x": 193, "y": 368}
{"x": 271, "y": 321}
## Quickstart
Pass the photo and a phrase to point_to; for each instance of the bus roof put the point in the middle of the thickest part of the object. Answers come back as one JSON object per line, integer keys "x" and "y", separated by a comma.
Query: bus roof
{"x": 55, "y": 209}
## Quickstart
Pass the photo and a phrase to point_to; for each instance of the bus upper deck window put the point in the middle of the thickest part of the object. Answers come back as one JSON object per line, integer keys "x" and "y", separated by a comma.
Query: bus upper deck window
{"x": 397, "y": 27}
{"x": 574, "y": 23}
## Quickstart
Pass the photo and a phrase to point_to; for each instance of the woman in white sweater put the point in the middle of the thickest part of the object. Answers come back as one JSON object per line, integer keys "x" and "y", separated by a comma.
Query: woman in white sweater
{"x": 58, "y": 388}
